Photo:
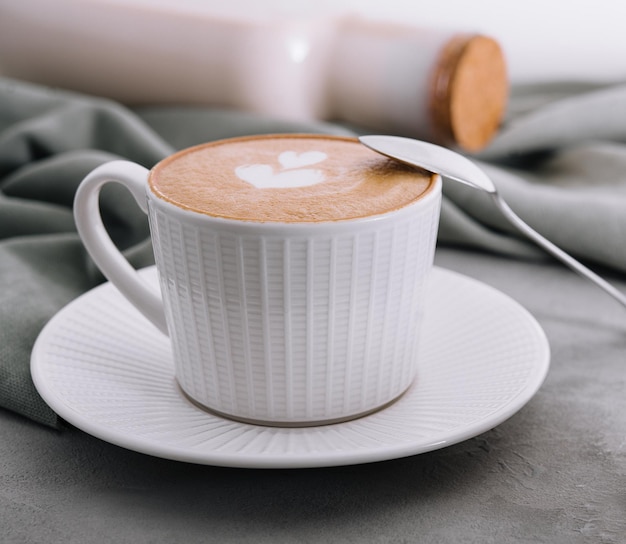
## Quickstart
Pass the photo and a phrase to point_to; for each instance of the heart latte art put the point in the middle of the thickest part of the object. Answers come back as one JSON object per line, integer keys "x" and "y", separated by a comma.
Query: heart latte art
{"x": 287, "y": 179}
{"x": 293, "y": 173}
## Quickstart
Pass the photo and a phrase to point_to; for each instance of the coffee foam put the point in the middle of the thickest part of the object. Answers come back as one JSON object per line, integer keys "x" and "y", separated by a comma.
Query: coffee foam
{"x": 287, "y": 178}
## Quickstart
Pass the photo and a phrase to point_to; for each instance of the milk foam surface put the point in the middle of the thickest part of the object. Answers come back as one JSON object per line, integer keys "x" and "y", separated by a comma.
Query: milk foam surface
{"x": 287, "y": 178}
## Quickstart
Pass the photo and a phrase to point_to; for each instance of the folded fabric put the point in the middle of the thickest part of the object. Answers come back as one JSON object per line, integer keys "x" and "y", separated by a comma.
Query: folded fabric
{"x": 49, "y": 140}
{"x": 560, "y": 162}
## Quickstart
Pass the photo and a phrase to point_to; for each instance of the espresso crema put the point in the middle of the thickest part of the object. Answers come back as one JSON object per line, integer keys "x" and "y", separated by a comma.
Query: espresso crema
{"x": 287, "y": 179}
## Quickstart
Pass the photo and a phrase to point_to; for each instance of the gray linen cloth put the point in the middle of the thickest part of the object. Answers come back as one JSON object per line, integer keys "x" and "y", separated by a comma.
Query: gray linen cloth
{"x": 559, "y": 161}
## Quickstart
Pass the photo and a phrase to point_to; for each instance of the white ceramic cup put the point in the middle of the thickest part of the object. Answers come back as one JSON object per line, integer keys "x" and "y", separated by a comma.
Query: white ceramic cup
{"x": 277, "y": 323}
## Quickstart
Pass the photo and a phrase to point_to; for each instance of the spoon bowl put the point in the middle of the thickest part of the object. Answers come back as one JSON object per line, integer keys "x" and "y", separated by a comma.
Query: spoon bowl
{"x": 431, "y": 157}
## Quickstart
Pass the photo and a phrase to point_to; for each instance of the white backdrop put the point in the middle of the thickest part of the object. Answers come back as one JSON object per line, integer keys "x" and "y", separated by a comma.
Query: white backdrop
{"x": 543, "y": 39}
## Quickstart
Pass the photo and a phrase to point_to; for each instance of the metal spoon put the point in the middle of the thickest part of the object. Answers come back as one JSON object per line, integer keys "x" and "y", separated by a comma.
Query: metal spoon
{"x": 451, "y": 165}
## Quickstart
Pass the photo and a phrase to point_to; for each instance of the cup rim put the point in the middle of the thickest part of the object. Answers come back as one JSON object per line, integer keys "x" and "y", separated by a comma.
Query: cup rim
{"x": 430, "y": 196}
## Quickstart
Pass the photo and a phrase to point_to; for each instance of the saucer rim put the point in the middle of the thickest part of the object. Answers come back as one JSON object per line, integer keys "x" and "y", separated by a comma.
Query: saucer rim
{"x": 445, "y": 438}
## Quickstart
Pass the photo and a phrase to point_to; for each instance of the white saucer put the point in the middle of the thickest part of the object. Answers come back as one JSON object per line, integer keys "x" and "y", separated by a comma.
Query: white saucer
{"x": 103, "y": 368}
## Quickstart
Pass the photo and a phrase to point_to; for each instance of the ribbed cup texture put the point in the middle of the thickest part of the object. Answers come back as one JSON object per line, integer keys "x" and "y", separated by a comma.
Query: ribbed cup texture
{"x": 289, "y": 328}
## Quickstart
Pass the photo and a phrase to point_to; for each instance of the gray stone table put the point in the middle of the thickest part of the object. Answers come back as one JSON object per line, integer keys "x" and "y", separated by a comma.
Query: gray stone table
{"x": 555, "y": 472}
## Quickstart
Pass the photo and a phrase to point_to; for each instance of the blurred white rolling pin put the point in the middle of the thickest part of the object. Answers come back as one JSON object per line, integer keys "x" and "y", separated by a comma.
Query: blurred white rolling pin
{"x": 436, "y": 85}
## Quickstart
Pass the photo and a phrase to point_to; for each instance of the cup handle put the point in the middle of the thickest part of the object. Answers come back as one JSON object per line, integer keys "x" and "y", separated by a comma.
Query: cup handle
{"x": 99, "y": 244}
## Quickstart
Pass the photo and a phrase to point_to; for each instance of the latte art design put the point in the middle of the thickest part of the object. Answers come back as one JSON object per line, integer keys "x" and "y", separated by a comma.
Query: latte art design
{"x": 293, "y": 171}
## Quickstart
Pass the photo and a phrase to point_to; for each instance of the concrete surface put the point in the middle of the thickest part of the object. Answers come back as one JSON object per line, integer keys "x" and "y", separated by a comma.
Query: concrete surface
{"x": 554, "y": 473}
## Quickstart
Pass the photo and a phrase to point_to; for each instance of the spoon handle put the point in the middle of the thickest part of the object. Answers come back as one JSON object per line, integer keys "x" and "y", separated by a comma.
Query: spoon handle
{"x": 555, "y": 251}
